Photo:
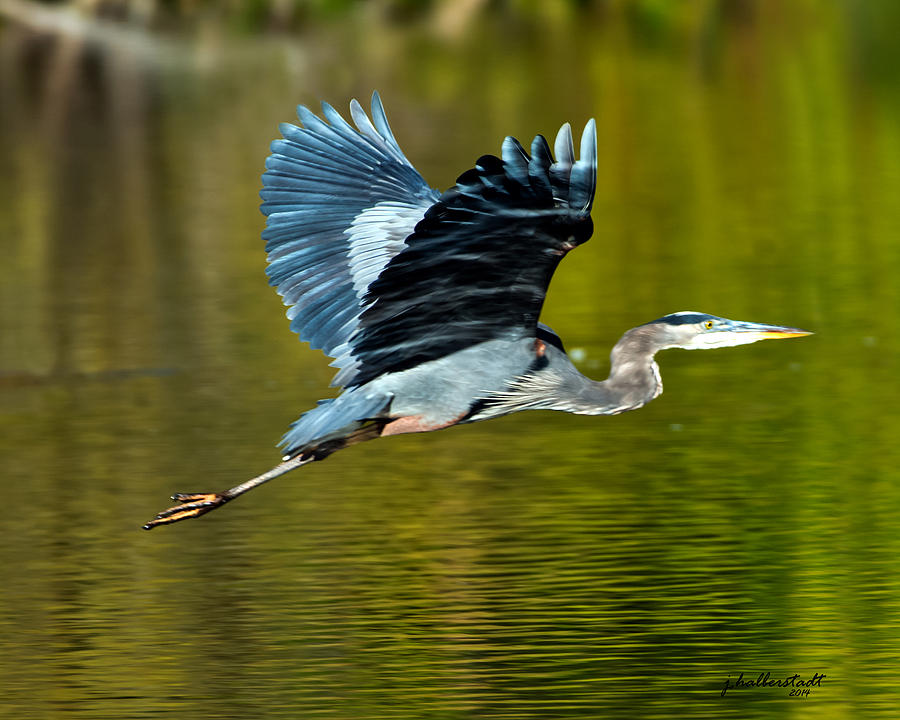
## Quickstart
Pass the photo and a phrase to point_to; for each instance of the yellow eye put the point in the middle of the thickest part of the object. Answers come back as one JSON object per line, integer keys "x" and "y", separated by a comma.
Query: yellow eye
{"x": 708, "y": 324}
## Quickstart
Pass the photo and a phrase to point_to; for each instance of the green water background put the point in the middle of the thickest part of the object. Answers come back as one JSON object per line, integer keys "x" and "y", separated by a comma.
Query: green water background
{"x": 538, "y": 566}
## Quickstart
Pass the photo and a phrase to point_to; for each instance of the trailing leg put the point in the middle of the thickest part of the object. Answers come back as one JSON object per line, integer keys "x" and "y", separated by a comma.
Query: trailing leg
{"x": 193, "y": 505}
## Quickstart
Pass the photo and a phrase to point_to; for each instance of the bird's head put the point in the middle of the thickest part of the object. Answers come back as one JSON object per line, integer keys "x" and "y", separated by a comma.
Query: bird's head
{"x": 699, "y": 331}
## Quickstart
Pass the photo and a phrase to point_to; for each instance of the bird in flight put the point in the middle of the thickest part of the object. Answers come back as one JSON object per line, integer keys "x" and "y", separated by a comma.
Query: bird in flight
{"x": 429, "y": 302}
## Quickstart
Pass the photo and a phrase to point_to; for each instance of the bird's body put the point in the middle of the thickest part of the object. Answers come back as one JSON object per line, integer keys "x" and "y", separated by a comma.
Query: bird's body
{"x": 429, "y": 302}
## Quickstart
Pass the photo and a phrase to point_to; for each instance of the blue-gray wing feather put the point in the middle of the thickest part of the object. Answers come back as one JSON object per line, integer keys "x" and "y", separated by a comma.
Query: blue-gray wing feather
{"x": 340, "y": 202}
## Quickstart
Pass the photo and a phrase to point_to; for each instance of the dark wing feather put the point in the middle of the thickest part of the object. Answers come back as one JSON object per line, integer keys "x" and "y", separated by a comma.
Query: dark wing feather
{"x": 340, "y": 202}
{"x": 478, "y": 265}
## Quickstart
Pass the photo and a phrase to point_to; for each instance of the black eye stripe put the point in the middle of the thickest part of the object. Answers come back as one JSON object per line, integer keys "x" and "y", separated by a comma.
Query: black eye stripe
{"x": 686, "y": 319}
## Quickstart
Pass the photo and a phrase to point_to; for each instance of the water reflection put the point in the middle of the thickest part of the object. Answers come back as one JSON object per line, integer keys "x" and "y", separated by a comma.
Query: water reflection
{"x": 538, "y": 566}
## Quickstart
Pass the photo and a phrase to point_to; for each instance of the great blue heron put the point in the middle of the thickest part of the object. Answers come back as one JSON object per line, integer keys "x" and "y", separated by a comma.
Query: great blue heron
{"x": 429, "y": 302}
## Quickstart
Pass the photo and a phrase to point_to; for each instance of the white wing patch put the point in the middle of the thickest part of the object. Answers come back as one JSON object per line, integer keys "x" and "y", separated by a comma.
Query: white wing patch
{"x": 376, "y": 235}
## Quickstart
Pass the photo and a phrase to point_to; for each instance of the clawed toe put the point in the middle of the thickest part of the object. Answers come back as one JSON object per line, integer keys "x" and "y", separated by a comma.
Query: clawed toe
{"x": 194, "y": 497}
{"x": 190, "y": 505}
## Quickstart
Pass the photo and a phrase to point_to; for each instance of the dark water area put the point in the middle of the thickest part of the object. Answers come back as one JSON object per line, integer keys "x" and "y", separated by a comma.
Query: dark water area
{"x": 538, "y": 566}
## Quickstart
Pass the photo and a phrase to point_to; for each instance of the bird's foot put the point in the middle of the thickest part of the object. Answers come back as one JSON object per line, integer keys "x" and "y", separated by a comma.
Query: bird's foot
{"x": 190, "y": 505}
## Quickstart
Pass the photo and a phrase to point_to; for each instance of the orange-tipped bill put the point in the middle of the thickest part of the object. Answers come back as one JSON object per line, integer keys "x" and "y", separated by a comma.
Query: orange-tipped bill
{"x": 728, "y": 333}
{"x": 760, "y": 331}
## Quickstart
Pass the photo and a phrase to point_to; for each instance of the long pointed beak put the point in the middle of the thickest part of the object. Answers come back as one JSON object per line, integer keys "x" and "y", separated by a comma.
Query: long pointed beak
{"x": 761, "y": 331}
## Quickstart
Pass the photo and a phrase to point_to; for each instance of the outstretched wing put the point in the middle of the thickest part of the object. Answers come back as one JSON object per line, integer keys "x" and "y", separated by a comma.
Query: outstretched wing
{"x": 340, "y": 202}
{"x": 478, "y": 265}
{"x": 382, "y": 272}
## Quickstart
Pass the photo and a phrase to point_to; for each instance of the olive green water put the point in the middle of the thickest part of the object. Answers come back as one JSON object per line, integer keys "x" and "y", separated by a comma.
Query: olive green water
{"x": 538, "y": 566}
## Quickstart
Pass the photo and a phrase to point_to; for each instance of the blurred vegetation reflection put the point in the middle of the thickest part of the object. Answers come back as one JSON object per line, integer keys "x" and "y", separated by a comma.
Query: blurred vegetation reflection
{"x": 539, "y": 566}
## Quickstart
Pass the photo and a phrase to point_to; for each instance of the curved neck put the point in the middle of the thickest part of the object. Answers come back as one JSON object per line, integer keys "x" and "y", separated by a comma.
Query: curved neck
{"x": 633, "y": 381}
